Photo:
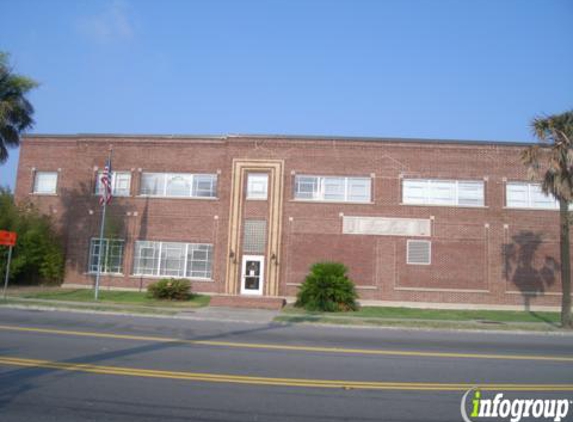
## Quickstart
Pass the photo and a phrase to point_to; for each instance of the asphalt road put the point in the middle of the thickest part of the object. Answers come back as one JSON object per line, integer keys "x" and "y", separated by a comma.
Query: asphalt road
{"x": 60, "y": 366}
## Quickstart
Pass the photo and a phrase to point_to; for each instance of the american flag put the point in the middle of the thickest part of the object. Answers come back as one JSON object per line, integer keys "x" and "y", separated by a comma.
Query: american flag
{"x": 105, "y": 197}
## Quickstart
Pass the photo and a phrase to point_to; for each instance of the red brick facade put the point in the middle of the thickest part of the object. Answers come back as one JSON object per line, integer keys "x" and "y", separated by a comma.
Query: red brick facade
{"x": 483, "y": 255}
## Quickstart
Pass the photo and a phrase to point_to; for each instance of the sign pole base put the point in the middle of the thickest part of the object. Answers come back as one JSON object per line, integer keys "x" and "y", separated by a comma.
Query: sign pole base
{"x": 7, "y": 271}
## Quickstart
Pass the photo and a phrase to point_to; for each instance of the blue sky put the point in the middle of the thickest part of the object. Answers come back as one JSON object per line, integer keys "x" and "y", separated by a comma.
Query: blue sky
{"x": 403, "y": 68}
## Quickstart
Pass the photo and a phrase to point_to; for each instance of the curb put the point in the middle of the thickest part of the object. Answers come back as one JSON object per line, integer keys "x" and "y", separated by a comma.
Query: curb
{"x": 430, "y": 329}
{"x": 130, "y": 314}
{"x": 306, "y": 324}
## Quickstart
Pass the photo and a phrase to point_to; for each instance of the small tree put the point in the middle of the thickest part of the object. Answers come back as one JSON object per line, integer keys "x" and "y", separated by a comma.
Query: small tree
{"x": 38, "y": 256}
{"x": 554, "y": 159}
{"x": 327, "y": 288}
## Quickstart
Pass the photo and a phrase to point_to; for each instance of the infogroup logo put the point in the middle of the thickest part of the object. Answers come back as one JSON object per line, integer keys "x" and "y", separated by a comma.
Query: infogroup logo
{"x": 513, "y": 409}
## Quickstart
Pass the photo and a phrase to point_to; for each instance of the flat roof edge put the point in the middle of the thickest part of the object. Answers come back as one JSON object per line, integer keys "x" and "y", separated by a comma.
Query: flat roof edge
{"x": 119, "y": 135}
{"x": 280, "y": 137}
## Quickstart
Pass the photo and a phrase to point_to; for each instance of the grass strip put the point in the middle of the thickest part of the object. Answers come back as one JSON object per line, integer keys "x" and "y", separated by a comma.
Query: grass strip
{"x": 107, "y": 296}
{"x": 414, "y": 323}
{"x": 482, "y": 316}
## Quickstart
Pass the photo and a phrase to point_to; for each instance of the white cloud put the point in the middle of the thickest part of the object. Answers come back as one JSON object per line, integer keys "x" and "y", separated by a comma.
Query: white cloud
{"x": 113, "y": 23}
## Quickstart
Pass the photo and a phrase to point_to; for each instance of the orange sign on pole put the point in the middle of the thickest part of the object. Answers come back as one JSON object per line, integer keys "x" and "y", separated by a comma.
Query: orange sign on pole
{"x": 7, "y": 238}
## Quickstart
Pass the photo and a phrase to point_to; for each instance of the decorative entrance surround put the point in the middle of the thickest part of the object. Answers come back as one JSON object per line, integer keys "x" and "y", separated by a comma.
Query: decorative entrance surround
{"x": 275, "y": 197}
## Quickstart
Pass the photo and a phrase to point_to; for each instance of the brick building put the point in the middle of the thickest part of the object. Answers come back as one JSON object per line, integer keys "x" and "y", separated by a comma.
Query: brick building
{"x": 432, "y": 221}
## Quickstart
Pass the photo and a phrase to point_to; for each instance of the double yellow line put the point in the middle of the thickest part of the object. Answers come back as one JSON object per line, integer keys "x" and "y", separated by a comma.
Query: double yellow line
{"x": 269, "y": 381}
{"x": 284, "y": 347}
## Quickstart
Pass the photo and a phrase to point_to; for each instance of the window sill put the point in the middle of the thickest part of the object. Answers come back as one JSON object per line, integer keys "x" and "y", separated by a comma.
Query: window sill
{"x": 531, "y": 209}
{"x": 356, "y": 287}
{"x": 114, "y": 195}
{"x": 42, "y": 194}
{"x": 159, "y": 277}
{"x": 316, "y": 201}
{"x": 473, "y": 207}
{"x": 105, "y": 274}
{"x": 177, "y": 197}
{"x": 257, "y": 199}
{"x": 439, "y": 290}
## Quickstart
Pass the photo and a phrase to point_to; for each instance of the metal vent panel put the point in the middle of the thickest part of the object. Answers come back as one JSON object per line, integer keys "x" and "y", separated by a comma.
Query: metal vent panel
{"x": 419, "y": 252}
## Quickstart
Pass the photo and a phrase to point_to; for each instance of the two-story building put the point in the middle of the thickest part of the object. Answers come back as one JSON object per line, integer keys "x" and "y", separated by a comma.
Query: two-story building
{"x": 415, "y": 221}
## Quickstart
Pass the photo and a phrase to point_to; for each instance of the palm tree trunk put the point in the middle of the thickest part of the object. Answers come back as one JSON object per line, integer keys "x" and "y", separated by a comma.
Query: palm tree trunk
{"x": 565, "y": 264}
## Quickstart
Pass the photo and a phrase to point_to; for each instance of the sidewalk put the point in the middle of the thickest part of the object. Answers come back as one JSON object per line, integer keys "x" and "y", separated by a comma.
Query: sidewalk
{"x": 206, "y": 313}
{"x": 261, "y": 316}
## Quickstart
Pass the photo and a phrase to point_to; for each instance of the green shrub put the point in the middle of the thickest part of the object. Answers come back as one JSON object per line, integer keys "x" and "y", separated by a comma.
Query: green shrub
{"x": 170, "y": 288}
{"x": 327, "y": 288}
{"x": 38, "y": 257}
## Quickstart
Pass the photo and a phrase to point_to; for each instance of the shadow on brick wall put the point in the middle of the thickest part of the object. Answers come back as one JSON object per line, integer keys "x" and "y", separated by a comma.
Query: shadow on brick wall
{"x": 81, "y": 218}
{"x": 142, "y": 235}
{"x": 524, "y": 269}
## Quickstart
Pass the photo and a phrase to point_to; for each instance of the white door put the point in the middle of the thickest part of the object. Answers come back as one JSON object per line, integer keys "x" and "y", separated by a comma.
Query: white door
{"x": 252, "y": 275}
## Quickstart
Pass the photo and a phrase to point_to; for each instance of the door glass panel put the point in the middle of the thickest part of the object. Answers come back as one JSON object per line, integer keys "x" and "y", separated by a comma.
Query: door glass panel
{"x": 252, "y": 275}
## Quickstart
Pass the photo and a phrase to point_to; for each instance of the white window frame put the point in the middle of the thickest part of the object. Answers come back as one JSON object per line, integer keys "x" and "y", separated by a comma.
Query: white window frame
{"x": 530, "y": 204}
{"x": 115, "y": 175}
{"x": 429, "y": 186}
{"x": 209, "y": 258}
{"x": 195, "y": 190}
{"x": 319, "y": 188}
{"x": 193, "y": 181}
{"x": 38, "y": 175}
{"x": 95, "y": 242}
{"x": 156, "y": 247}
{"x": 158, "y": 258}
{"x": 410, "y": 241}
{"x": 258, "y": 186}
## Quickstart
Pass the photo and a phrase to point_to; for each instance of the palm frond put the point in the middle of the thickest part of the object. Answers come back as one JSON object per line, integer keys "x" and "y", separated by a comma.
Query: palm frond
{"x": 556, "y": 132}
{"x": 15, "y": 109}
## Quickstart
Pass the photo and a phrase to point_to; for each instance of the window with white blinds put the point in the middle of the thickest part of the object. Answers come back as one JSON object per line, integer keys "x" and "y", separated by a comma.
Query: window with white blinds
{"x": 333, "y": 188}
{"x": 528, "y": 195}
{"x": 120, "y": 183}
{"x": 257, "y": 186}
{"x": 456, "y": 193}
{"x": 419, "y": 252}
{"x": 179, "y": 185}
{"x": 173, "y": 259}
{"x": 45, "y": 182}
{"x": 111, "y": 261}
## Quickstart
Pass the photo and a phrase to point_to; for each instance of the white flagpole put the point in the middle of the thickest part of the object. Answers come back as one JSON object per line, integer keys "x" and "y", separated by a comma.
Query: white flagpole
{"x": 102, "y": 226}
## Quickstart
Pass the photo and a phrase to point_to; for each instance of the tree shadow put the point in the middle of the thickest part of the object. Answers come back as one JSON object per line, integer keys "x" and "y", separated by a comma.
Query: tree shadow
{"x": 142, "y": 235}
{"x": 80, "y": 221}
{"x": 21, "y": 381}
{"x": 523, "y": 269}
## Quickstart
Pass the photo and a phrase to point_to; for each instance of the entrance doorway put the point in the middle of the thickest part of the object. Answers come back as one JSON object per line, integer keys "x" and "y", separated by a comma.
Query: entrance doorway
{"x": 252, "y": 275}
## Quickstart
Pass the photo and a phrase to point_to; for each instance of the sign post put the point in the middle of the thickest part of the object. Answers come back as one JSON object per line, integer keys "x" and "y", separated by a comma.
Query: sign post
{"x": 7, "y": 239}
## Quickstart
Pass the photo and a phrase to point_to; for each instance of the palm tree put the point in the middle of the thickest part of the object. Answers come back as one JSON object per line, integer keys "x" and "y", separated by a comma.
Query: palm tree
{"x": 15, "y": 110}
{"x": 554, "y": 157}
